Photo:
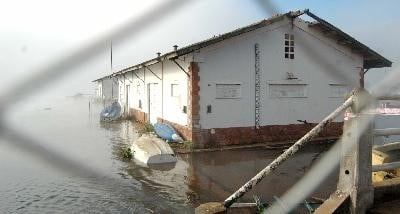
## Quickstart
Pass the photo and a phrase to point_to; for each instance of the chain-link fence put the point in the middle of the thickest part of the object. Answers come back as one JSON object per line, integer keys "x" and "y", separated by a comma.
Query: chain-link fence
{"x": 58, "y": 69}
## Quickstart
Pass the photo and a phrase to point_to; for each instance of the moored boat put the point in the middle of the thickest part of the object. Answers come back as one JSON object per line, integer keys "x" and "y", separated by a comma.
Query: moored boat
{"x": 167, "y": 132}
{"x": 150, "y": 149}
{"x": 111, "y": 112}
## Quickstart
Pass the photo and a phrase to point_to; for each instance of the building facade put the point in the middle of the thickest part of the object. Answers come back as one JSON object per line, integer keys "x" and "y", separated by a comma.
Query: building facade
{"x": 106, "y": 88}
{"x": 269, "y": 81}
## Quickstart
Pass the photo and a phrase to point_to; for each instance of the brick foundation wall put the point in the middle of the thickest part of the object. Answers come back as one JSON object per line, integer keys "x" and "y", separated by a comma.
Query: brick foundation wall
{"x": 142, "y": 117}
{"x": 138, "y": 115}
{"x": 206, "y": 138}
{"x": 273, "y": 133}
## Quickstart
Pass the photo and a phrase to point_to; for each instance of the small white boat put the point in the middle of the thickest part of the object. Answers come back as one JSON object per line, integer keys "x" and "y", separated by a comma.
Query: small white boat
{"x": 150, "y": 149}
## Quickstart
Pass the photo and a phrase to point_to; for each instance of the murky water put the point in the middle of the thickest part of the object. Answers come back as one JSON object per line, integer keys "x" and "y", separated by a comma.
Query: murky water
{"x": 30, "y": 184}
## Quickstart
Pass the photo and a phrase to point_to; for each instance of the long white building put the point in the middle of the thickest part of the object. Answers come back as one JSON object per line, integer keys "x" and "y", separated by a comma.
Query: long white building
{"x": 106, "y": 88}
{"x": 269, "y": 81}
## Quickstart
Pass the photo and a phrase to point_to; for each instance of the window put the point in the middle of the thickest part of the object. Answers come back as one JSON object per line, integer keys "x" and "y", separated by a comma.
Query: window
{"x": 175, "y": 90}
{"x": 228, "y": 91}
{"x": 289, "y": 46}
{"x": 288, "y": 90}
{"x": 338, "y": 90}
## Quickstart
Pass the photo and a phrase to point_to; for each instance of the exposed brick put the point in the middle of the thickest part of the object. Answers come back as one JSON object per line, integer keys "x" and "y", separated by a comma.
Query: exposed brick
{"x": 273, "y": 133}
{"x": 193, "y": 104}
{"x": 183, "y": 131}
{"x": 138, "y": 115}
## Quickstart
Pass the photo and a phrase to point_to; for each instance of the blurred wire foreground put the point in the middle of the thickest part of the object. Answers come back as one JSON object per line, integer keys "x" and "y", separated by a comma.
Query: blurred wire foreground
{"x": 359, "y": 126}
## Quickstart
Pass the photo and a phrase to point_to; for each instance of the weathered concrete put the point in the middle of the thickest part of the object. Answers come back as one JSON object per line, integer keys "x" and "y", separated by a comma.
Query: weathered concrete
{"x": 288, "y": 153}
{"x": 210, "y": 208}
{"x": 356, "y": 160}
{"x": 334, "y": 203}
{"x": 216, "y": 207}
{"x": 386, "y": 166}
{"x": 388, "y": 147}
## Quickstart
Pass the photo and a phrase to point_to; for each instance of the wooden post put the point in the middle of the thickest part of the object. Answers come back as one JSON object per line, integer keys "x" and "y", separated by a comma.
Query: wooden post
{"x": 356, "y": 164}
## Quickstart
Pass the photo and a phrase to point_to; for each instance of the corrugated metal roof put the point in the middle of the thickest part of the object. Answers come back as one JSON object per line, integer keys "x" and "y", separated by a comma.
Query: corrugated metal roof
{"x": 371, "y": 58}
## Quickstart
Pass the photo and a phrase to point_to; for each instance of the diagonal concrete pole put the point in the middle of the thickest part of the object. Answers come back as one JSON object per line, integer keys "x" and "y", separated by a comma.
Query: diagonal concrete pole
{"x": 287, "y": 154}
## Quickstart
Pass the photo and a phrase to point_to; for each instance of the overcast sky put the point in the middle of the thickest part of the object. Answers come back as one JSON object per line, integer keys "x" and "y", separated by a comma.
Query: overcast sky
{"x": 35, "y": 32}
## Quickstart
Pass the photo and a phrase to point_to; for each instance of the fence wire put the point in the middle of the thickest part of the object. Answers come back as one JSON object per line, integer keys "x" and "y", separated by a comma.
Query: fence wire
{"x": 66, "y": 65}
{"x": 330, "y": 160}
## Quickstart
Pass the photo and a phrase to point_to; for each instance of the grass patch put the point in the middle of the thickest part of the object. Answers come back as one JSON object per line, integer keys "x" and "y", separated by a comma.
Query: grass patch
{"x": 147, "y": 127}
{"x": 189, "y": 145}
{"x": 126, "y": 154}
{"x": 185, "y": 146}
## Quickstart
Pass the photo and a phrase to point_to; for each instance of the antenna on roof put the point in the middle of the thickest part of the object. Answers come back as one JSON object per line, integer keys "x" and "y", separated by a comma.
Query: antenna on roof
{"x": 111, "y": 58}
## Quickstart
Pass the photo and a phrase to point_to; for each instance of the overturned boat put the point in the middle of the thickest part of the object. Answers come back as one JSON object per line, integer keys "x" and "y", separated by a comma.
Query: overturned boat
{"x": 150, "y": 149}
{"x": 167, "y": 132}
{"x": 111, "y": 112}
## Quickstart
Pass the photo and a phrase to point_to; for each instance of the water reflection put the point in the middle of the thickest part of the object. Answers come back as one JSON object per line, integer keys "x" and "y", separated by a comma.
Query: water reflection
{"x": 73, "y": 128}
{"x": 216, "y": 175}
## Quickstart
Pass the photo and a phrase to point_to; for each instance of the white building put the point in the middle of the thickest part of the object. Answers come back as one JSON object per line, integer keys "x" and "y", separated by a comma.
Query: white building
{"x": 268, "y": 81}
{"x": 106, "y": 88}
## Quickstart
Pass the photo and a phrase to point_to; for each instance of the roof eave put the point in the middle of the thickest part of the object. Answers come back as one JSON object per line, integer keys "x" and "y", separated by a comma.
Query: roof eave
{"x": 377, "y": 61}
{"x": 374, "y": 60}
{"x": 368, "y": 64}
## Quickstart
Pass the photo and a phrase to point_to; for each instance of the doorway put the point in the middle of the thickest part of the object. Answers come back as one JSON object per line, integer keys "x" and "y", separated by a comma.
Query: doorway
{"x": 127, "y": 100}
{"x": 152, "y": 89}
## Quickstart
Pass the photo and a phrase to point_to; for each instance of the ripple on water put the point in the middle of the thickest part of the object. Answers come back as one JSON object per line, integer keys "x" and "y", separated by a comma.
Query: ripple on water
{"x": 130, "y": 186}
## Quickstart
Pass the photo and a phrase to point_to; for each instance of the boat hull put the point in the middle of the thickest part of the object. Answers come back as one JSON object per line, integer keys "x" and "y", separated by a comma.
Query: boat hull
{"x": 149, "y": 149}
{"x": 167, "y": 132}
{"x": 110, "y": 113}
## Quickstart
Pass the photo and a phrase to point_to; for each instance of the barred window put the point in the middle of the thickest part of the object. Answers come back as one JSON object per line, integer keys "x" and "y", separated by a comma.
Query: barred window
{"x": 289, "y": 46}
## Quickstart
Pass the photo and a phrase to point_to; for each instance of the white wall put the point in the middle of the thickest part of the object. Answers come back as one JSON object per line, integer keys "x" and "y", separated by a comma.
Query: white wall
{"x": 173, "y": 105}
{"x": 233, "y": 61}
{"x": 99, "y": 89}
{"x": 168, "y": 107}
{"x": 109, "y": 88}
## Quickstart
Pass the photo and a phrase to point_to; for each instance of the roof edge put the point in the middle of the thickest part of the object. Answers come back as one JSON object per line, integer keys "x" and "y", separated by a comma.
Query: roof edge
{"x": 385, "y": 62}
{"x": 292, "y": 14}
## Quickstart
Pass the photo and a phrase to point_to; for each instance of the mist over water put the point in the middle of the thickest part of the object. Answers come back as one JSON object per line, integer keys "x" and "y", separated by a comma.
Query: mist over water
{"x": 28, "y": 184}
{"x": 69, "y": 127}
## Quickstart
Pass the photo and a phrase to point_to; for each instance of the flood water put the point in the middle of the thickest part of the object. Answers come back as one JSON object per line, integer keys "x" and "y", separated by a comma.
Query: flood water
{"x": 32, "y": 183}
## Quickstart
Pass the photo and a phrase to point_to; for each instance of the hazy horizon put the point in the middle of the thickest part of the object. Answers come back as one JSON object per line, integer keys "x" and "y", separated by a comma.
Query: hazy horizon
{"x": 41, "y": 31}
